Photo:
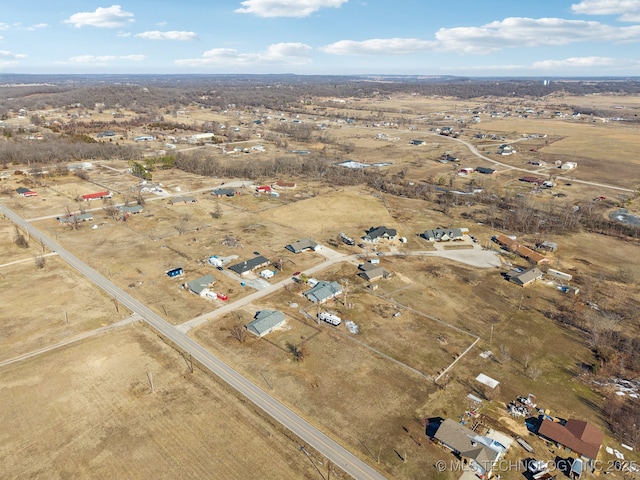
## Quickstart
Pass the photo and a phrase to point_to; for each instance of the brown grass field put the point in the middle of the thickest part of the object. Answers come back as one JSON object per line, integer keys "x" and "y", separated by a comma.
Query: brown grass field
{"x": 86, "y": 411}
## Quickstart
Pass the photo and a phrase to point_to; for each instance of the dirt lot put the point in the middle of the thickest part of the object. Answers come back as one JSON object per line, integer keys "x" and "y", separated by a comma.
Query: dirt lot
{"x": 86, "y": 411}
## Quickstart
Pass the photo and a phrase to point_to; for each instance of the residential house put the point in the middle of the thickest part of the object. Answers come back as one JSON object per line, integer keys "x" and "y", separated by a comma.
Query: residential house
{"x": 417, "y": 142}
{"x": 444, "y": 234}
{"x": 144, "y": 138}
{"x": 75, "y": 218}
{"x": 182, "y": 200}
{"x": 130, "y": 209}
{"x": 200, "y": 286}
{"x": 265, "y": 321}
{"x": 224, "y": 192}
{"x": 446, "y": 158}
{"x": 513, "y": 245}
{"x": 485, "y": 170}
{"x": 480, "y": 453}
{"x": 376, "y": 234}
{"x": 372, "y": 272}
{"x": 263, "y": 189}
{"x": 576, "y": 435}
{"x": 323, "y": 291}
{"x": 97, "y": 196}
{"x": 302, "y": 245}
{"x": 524, "y": 277}
{"x": 505, "y": 149}
{"x": 247, "y": 266}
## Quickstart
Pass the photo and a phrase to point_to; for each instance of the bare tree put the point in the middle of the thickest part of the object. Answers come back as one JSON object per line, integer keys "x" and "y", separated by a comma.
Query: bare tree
{"x": 239, "y": 333}
{"x": 533, "y": 372}
{"x": 39, "y": 261}
{"x": 297, "y": 352}
{"x": 20, "y": 239}
{"x": 505, "y": 353}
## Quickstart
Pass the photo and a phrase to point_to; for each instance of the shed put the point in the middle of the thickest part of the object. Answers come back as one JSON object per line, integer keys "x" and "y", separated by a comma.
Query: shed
{"x": 174, "y": 272}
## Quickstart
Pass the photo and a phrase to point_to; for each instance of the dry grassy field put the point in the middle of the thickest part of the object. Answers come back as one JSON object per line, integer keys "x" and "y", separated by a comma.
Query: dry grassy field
{"x": 87, "y": 411}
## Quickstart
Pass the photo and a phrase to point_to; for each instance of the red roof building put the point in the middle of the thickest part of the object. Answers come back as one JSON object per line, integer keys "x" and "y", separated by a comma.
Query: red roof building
{"x": 264, "y": 189}
{"x": 576, "y": 435}
{"x": 96, "y": 196}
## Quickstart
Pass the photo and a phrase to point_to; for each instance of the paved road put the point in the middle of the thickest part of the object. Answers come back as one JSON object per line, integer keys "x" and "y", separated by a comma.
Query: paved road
{"x": 340, "y": 456}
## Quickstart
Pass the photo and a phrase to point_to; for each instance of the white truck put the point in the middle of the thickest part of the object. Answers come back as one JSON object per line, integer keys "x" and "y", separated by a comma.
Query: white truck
{"x": 330, "y": 318}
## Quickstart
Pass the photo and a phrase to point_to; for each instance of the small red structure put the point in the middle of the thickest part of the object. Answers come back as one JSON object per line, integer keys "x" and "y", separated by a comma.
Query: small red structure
{"x": 97, "y": 196}
{"x": 264, "y": 189}
{"x": 222, "y": 296}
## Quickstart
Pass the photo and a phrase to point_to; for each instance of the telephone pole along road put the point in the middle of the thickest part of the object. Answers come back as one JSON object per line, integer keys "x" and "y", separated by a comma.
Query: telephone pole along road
{"x": 338, "y": 455}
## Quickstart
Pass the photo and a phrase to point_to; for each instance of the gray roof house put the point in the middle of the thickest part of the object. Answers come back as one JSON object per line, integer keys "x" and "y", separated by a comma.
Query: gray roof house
{"x": 375, "y": 234}
{"x": 182, "y": 200}
{"x": 75, "y": 218}
{"x": 303, "y": 244}
{"x": 242, "y": 268}
{"x": 473, "y": 449}
{"x": 223, "y": 192}
{"x": 131, "y": 210}
{"x": 372, "y": 272}
{"x": 323, "y": 291}
{"x": 265, "y": 321}
{"x": 442, "y": 234}
{"x": 200, "y": 286}
{"x": 524, "y": 277}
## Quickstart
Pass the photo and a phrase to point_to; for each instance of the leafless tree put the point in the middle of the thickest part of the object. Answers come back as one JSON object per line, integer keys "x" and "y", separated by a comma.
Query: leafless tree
{"x": 297, "y": 352}
{"x": 39, "y": 261}
{"x": 239, "y": 333}
{"x": 533, "y": 372}
{"x": 20, "y": 240}
{"x": 505, "y": 353}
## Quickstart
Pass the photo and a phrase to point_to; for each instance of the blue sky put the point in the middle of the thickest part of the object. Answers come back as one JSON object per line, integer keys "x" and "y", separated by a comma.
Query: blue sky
{"x": 412, "y": 37}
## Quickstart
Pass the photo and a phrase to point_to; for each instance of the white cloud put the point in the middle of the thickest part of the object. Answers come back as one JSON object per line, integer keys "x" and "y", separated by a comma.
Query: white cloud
{"x": 104, "y": 59}
{"x": 4, "y": 26}
{"x": 380, "y": 46}
{"x": 605, "y": 7}
{"x": 5, "y": 54}
{"x": 286, "y": 8}
{"x": 172, "y": 35}
{"x": 279, "y": 53}
{"x": 161, "y": 24}
{"x": 123, "y": 34}
{"x": 531, "y": 32}
{"x": 581, "y": 62}
{"x": 110, "y": 17}
{"x": 37, "y": 26}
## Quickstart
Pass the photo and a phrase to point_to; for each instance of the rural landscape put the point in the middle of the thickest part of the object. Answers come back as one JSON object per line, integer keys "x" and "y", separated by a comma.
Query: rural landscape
{"x": 319, "y": 277}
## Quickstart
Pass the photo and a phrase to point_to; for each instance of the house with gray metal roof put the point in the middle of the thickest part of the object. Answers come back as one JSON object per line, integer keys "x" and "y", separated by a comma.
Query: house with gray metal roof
{"x": 443, "y": 234}
{"x": 480, "y": 453}
{"x": 323, "y": 291}
{"x": 130, "y": 210}
{"x": 75, "y": 218}
{"x": 200, "y": 286}
{"x": 372, "y": 272}
{"x": 376, "y": 234}
{"x": 182, "y": 200}
{"x": 524, "y": 277}
{"x": 242, "y": 268}
{"x": 302, "y": 245}
{"x": 265, "y": 321}
{"x": 223, "y": 192}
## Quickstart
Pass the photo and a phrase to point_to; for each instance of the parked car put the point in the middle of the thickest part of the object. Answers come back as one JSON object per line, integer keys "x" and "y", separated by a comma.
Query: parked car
{"x": 220, "y": 268}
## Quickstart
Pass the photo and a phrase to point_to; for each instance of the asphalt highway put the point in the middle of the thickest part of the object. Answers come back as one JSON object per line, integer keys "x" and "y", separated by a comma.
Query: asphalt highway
{"x": 338, "y": 455}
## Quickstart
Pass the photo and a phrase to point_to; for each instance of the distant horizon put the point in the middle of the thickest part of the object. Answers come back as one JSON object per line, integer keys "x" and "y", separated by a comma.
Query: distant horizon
{"x": 495, "y": 38}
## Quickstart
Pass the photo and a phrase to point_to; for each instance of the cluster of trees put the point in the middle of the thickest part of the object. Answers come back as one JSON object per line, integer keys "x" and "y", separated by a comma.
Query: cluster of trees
{"x": 146, "y": 94}
{"x": 64, "y": 149}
